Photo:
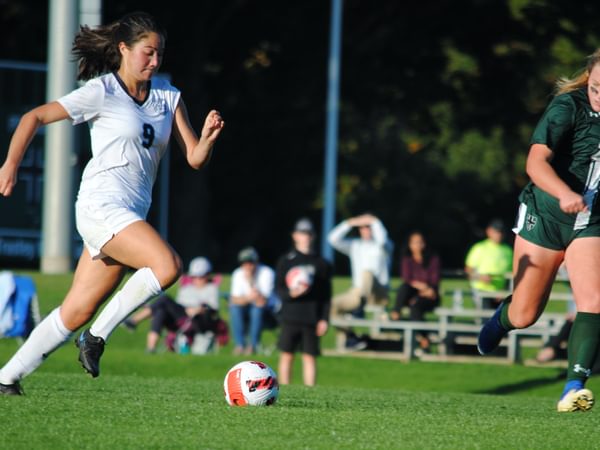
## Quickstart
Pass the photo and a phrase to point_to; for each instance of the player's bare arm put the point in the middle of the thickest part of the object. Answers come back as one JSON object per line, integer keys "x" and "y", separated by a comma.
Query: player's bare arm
{"x": 24, "y": 133}
{"x": 197, "y": 150}
{"x": 322, "y": 327}
{"x": 544, "y": 176}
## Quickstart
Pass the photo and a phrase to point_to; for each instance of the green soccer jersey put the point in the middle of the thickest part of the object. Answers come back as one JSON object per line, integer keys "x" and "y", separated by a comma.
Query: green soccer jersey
{"x": 571, "y": 129}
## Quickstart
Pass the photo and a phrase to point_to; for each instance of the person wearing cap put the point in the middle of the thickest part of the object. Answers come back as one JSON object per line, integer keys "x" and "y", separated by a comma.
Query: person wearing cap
{"x": 370, "y": 259}
{"x": 195, "y": 309}
{"x": 303, "y": 283}
{"x": 252, "y": 289}
{"x": 487, "y": 264}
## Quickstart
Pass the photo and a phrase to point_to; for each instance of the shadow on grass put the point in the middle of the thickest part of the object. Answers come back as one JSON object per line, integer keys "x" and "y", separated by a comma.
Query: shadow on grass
{"x": 524, "y": 385}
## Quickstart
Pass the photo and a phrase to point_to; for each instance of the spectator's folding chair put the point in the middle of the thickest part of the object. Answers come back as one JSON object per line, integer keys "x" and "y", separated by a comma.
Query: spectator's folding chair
{"x": 19, "y": 307}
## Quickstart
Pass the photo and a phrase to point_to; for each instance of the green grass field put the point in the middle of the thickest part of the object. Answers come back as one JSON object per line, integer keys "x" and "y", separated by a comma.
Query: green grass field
{"x": 171, "y": 401}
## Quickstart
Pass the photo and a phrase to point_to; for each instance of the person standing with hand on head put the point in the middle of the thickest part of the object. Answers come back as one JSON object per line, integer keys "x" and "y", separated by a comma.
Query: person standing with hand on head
{"x": 370, "y": 259}
{"x": 131, "y": 115}
{"x": 559, "y": 219}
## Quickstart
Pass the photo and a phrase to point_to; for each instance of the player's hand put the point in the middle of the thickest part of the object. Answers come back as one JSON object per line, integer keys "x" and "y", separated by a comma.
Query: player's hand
{"x": 299, "y": 290}
{"x": 213, "y": 124}
{"x": 352, "y": 221}
{"x": 357, "y": 221}
{"x": 364, "y": 220}
{"x": 428, "y": 293}
{"x": 8, "y": 179}
{"x": 322, "y": 327}
{"x": 419, "y": 285}
{"x": 253, "y": 294}
{"x": 572, "y": 203}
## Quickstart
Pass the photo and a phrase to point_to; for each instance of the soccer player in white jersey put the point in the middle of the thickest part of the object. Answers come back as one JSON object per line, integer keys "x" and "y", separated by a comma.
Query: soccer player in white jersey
{"x": 131, "y": 115}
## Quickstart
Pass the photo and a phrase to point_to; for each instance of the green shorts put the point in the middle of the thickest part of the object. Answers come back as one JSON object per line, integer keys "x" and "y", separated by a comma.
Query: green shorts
{"x": 549, "y": 234}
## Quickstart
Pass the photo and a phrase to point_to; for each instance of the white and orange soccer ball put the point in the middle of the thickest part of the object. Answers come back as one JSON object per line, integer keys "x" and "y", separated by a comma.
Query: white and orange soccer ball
{"x": 251, "y": 383}
{"x": 298, "y": 277}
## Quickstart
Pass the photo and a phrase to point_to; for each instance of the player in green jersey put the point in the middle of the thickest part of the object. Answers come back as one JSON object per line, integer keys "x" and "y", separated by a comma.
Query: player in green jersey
{"x": 559, "y": 220}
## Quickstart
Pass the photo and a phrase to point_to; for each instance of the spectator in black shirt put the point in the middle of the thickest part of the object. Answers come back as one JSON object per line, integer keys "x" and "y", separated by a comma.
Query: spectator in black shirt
{"x": 303, "y": 283}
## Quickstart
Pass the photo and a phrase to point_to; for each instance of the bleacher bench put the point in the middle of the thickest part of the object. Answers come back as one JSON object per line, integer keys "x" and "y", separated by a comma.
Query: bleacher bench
{"x": 451, "y": 326}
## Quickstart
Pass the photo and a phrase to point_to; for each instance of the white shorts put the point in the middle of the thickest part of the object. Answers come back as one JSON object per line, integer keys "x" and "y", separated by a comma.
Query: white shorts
{"x": 108, "y": 202}
{"x": 97, "y": 224}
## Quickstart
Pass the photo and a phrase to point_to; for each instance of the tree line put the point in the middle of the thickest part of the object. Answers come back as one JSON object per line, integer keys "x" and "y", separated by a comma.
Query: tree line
{"x": 438, "y": 102}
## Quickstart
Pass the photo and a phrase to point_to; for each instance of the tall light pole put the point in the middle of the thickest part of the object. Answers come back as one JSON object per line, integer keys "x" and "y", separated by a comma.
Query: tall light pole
{"x": 57, "y": 207}
{"x": 331, "y": 133}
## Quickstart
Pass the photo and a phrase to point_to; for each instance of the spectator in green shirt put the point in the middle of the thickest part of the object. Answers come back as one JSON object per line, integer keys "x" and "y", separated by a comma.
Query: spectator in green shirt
{"x": 487, "y": 263}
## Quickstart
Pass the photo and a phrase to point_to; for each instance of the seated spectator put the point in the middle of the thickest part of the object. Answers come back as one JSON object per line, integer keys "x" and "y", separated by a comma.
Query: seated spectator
{"x": 252, "y": 288}
{"x": 195, "y": 310}
{"x": 556, "y": 347}
{"x": 420, "y": 272}
{"x": 487, "y": 263}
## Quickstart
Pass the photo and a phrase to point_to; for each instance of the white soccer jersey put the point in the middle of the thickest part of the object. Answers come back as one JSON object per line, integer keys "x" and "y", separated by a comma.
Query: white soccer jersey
{"x": 122, "y": 131}
{"x": 128, "y": 139}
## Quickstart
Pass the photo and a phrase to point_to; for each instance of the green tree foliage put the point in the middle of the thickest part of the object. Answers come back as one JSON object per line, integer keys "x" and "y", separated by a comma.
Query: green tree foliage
{"x": 465, "y": 83}
{"x": 438, "y": 101}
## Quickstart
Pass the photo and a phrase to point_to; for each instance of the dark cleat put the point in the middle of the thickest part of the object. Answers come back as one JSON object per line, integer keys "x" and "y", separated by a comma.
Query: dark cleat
{"x": 90, "y": 350}
{"x": 11, "y": 389}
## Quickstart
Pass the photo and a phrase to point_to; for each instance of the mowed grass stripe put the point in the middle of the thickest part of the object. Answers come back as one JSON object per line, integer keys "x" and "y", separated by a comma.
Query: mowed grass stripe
{"x": 166, "y": 401}
{"x": 71, "y": 411}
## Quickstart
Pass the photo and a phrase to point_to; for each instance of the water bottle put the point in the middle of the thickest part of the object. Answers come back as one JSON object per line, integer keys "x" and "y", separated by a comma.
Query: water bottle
{"x": 184, "y": 346}
{"x": 457, "y": 299}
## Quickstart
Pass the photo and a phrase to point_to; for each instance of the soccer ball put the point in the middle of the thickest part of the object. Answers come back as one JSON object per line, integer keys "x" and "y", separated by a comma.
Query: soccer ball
{"x": 251, "y": 383}
{"x": 298, "y": 277}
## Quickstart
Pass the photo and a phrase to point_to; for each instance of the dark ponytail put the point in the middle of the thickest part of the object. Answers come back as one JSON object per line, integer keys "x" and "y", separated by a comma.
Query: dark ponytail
{"x": 97, "y": 49}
